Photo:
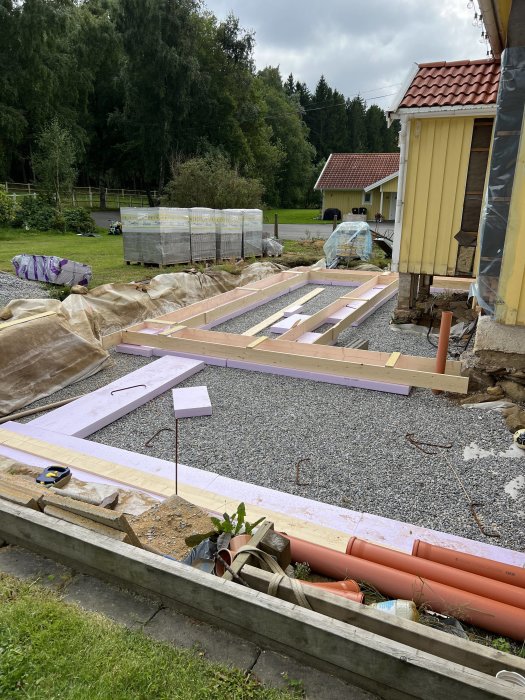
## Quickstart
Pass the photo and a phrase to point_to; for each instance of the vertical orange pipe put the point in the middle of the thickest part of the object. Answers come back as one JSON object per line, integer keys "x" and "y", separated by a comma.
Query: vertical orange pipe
{"x": 442, "y": 351}
{"x": 469, "y": 562}
{"x": 449, "y": 575}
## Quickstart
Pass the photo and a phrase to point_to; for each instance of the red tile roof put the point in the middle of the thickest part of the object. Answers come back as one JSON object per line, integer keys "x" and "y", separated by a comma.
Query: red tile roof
{"x": 464, "y": 83}
{"x": 355, "y": 171}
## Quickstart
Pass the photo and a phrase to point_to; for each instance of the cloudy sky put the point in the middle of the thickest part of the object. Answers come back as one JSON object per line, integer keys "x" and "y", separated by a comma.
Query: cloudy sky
{"x": 360, "y": 46}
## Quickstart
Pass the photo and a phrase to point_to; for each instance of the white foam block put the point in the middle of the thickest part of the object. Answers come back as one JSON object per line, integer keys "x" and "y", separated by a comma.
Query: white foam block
{"x": 100, "y": 408}
{"x": 286, "y": 323}
{"x": 191, "y": 401}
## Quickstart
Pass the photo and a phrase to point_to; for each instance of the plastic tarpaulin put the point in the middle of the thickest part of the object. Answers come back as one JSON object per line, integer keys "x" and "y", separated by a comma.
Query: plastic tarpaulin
{"x": 43, "y": 355}
{"x": 351, "y": 239}
{"x": 50, "y": 268}
{"x": 507, "y": 129}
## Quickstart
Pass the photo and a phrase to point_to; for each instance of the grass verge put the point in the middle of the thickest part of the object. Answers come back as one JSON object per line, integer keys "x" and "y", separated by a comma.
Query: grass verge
{"x": 49, "y": 649}
{"x": 294, "y": 216}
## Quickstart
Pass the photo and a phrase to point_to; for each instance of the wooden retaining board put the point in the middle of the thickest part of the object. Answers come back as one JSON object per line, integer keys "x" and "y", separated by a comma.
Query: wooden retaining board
{"x": 371, "y": 661}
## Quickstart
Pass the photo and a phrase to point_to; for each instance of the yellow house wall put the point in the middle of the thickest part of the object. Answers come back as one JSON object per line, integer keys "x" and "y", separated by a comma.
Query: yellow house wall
{"x": 510, "y": 308}
{"x": 346, "y": 200}
{"x": 436, "y": 176}
{"x": 390, "y": 186}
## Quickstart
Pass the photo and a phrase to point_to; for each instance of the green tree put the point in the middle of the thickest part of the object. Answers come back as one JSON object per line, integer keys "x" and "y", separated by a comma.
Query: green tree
{"x": 54, "y": 161}
{"x": 210, "y": 181}
{"x": 356, "y": 110}
{"x": 376, "y": 130}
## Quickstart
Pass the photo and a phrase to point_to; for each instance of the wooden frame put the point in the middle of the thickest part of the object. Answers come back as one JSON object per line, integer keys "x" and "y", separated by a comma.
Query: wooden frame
{"x": 186, "y": 331}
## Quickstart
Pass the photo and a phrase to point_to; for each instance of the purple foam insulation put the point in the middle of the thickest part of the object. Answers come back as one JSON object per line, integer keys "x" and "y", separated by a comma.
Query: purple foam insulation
{"x": 293, "y": 310}
{"x": 308, "y": 338}
{"x": 125, "y": 458}
{"x": 316, "y": 377}
{"x": 215, "y": 361}
{"x": 370, "y": 294}
{"x": 340, "y": 314}
{"x": 284, "y": 324}
{"x": 105, "y": 405}
{"x": 134, "y": 349}
{"x": 374, "y": 309}
{"x": 374, "y": 528}
{"x": 191, "y": 401}
{"x": 152, "y": 331}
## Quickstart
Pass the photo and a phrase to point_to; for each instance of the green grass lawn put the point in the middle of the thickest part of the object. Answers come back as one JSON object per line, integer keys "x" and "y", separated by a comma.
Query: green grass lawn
{"x": 105, "y": 254}
{"x": 49, "y": 649}
{"x": 294, "y": 216}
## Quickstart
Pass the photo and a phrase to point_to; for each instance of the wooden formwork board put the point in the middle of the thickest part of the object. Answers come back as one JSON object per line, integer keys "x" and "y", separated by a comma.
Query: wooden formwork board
{"x": 347, "y": 362}
{"x": 186, "y": 337}
{"x": 370, "y": 660}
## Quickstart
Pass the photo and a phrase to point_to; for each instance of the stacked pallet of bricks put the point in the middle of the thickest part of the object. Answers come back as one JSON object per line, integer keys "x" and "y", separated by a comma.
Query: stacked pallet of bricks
{"x": 169, "y": 235}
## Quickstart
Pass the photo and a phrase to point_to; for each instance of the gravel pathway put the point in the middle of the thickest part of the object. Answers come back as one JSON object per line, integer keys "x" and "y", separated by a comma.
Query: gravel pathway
{"x": 13, "y": 288}
{"x": 353, "y": 440}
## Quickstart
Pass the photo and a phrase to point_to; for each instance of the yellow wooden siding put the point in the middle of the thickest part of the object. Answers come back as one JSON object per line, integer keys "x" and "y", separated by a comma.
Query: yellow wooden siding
{"x": 510, "y": 307}
{"x": 346, "y": 200}
{"x": 390, "y": 186}
{"x": 438, "y": 158}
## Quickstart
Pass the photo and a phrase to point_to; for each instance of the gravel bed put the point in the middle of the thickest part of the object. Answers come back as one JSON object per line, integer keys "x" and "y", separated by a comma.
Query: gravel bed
{"x": 353, "y": 440}
{"x": 13, "y": 288}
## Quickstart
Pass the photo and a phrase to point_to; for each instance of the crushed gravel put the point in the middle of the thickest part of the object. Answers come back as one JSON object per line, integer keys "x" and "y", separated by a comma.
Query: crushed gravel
{"x": 13, "y": 288}
{"x": 353, "y": 440}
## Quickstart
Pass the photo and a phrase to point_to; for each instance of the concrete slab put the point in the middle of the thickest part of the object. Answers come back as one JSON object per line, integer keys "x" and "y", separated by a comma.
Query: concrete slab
{"x": 218, "y": 646}
{"x": 191, "y": 401}
{"x": 99, "y": 408}
{"x": 26, "y": 565}
{"x": 282, "y": 672}
{"x": 120, "y": 606}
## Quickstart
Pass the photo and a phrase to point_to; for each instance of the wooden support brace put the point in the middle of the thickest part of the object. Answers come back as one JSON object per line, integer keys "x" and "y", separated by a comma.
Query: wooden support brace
{"x": 394, "y": 357}
{"x": 279, "y": 314}
{"x": 257, "y": 341}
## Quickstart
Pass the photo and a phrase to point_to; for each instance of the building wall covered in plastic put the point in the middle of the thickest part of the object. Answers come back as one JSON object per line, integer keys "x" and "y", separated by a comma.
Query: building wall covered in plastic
{"x": 438, "y": 158}
{"x": 501, "y": 279}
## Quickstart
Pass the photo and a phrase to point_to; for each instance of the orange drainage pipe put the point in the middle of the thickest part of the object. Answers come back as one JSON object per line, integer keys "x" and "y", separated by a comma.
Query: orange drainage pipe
{"x": 464, "y": 580}
{"x": 338, "y": 588}
{"x": 491, "y": 615}
{"x": 442, "y": 351}
{"x": 507, "y": 573}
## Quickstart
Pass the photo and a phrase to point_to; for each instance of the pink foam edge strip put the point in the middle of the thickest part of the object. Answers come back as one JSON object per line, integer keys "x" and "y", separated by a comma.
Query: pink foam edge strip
{"x": 99, "y": 408}
{"x": 374, "y": 309}
{"x": 375, "y": 528}
{"x": 317, "y": 377}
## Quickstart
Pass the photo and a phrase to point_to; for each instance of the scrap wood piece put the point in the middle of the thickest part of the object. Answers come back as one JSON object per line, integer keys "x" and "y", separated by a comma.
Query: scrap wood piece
{"x": 87, "y": 523}
{"x": 17, "y": 321}
{"x": 18, "y": 496}
{"x": 241, "y": 559}
{"x": 111, "y": 519}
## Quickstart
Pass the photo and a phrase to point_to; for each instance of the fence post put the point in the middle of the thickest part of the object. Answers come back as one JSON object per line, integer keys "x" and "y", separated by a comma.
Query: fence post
{"x": 90, "y": 199}
{"x": 29, "y": 188}
{"x": 334, "y": 223}
{"x": 276, "y": 226}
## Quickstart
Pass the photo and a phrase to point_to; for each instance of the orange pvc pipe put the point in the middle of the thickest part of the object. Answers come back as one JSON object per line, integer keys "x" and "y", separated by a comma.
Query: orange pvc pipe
{"x": 346, "y": 589}
{"x": 464, "y": 580}
{"x": 506, "y": 573}
{"x": 442, "y": 350}
{"x": 488, "y": 614}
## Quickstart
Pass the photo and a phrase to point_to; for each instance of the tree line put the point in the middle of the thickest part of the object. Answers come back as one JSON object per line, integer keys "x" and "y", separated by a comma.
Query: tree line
{"x": 139, "y": 87}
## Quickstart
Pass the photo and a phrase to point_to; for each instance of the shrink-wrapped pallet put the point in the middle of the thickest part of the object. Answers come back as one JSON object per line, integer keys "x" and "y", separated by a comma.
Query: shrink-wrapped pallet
{"x": 229, "y": 233}
{"x": 252, "y": 233}
{"x": 156, "y": 235}
{"x": 203, "y": 234}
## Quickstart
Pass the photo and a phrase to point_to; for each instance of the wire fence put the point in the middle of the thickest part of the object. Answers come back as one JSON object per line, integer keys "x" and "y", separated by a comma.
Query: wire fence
{"x": 87, "y": 197}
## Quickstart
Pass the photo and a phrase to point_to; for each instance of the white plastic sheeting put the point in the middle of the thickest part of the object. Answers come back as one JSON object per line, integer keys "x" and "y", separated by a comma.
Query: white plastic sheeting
{"x": 351, "y": 239}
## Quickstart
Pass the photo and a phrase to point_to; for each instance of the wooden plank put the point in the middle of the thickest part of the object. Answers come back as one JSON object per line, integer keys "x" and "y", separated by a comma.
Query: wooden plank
{"x": 330, "y": 336}
{"x": 413, "y": 634}
{"x": 108, "y": 518}
{"x": 87, "y": 523}
{"x": 373, "y": 662}
{"x": 26, "y": 319}
{"x": 279, "y": 314}
{"x": 257, "y": 341}
{"x": 18, "y": 496}
{"x": 360, "y": 364}
{"x": 242, "y": 558}
{"x": 394, "y": 357}
{"x": 112, "y": 339}
{"x": 319, "y": 318}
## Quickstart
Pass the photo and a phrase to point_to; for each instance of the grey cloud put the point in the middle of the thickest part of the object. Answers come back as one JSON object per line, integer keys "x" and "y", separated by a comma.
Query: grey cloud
{"x": 357, "y": 46}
